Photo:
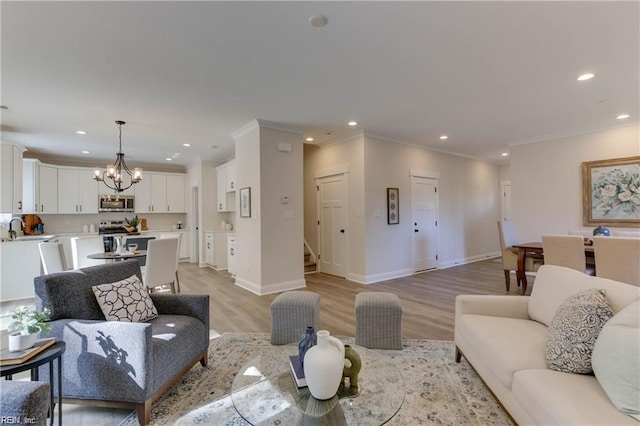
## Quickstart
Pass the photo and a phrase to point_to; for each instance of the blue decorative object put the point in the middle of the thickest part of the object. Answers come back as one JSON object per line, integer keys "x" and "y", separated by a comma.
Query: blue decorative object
{"x": 307, "y": 340}
{"x": 601, "y": 231}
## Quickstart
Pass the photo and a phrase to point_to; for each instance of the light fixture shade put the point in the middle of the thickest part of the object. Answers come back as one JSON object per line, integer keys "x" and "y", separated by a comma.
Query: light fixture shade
{"x": 115, "y": 175}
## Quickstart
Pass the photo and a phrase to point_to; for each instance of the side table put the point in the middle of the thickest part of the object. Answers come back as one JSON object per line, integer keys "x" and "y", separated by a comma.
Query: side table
{"x": 54, "y": 352}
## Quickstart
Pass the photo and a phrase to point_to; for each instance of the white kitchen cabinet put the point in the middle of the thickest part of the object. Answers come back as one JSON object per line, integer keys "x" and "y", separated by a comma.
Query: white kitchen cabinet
{"x": 77, "y": 191}
{"x": 231, "y": 254}
{"x": 175, "y": 193}
{"x": 160, "y": 193}
{"x": 208, "y": 248}
{"x": 226, "y": 176}
{"x": 47, "y": 189}
{"x": 216, "y": 250}
{"x": 230, "y": 177}
{"x": 20, "y": 264}
{"x": 11, "y": 175}
{"x": 40, "y": 187}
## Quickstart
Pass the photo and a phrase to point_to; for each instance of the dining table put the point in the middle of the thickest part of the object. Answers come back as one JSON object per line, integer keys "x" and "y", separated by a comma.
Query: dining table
{"x": 115, "y": 256}
{"x": 534, "y": 248}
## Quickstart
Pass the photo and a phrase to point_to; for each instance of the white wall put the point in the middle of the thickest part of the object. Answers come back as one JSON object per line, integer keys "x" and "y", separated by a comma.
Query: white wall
{"x": 469, "y": 206}
{"x": 269, "y": 244}
{"x": 546, "y": 178}
{"x": 468, "y": 196}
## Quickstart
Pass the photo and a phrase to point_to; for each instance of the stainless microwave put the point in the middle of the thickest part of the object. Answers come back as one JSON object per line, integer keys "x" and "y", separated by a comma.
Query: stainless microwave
{"x": 116, "y": 203}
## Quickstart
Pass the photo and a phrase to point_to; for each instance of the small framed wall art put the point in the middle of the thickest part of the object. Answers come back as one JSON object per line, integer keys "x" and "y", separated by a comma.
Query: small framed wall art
{"x": 393, "y": 206}
{"x": 245, "y": 202}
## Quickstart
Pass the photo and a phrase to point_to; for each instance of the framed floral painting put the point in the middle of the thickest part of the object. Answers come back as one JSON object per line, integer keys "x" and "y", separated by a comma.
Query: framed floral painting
{"x": 611, "y": 192}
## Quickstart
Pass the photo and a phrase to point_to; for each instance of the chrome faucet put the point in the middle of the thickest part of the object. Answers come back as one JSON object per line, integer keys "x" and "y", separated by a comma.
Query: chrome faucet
{"x": 12, "y": 233}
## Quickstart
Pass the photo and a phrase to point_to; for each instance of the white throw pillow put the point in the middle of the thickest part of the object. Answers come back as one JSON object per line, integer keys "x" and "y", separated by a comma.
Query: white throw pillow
{"x": 574, "y": 329}
{"x": 125, "y": 300}
{"x": 616, "y": 360}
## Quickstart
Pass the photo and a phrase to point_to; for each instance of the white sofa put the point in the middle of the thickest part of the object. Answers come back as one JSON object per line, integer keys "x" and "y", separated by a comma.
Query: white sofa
{"x": 503, "y": 338}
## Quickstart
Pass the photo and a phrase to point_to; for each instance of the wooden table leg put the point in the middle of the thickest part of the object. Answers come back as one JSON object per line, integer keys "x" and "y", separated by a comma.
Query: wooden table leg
{"x": 522, "y": 277}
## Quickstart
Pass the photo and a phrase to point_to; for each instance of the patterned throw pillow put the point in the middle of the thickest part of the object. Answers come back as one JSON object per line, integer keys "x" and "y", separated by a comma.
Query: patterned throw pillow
{"x": 126, "y": 301}
{"x": 574, "y": 329}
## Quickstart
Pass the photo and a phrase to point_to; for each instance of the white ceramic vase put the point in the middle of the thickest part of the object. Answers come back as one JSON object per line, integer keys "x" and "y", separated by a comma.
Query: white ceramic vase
{"x": 323, "y": 365}
{"x": 21, "y": 342}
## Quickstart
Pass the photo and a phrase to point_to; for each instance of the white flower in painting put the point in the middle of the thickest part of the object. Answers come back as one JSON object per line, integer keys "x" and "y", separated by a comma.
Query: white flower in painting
{"x": 608, "y": 191}
{"x": 624, "y": 196}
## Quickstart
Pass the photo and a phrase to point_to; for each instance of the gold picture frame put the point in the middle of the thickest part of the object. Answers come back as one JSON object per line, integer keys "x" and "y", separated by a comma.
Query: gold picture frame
{"x": 611, "y": 192}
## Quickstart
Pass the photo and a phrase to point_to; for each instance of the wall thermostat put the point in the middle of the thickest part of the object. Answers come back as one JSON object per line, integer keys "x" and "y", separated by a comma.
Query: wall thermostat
{"x": 285, "y": 199}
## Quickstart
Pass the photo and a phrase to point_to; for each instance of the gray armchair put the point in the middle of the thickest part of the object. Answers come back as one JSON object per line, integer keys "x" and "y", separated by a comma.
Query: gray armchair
{"x": 121, "y": 364}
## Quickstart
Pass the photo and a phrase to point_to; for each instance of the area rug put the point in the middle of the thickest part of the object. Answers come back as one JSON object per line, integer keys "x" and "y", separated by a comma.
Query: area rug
{"x": 439, "y": 391}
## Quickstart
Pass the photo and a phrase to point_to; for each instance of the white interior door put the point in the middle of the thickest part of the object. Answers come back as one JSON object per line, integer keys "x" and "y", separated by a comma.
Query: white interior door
{"x": 332, "y": 225}
{"x": 424, "y": 206}
{"x": 505, "y": 204}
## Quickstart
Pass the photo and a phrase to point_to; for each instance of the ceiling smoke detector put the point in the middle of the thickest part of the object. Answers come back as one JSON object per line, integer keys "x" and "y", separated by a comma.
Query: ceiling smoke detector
{"x": 318, "y": 21}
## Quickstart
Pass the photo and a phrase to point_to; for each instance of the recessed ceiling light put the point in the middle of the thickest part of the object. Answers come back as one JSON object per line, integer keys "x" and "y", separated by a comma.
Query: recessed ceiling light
{"x": 318, "y": 21}
{"x": 186, "y": 144}
{"x": 587, "y": 76}
{"x": 85, "y": 152}
{"x": 81, "y": 132}
{"x": 169, "y": 159}
{"x": 444, "y": 137}
{"x": 505, "y": 154}
{"x": 309, "y": 139}
{"x": 352, "y": 123}
{"x": 622, "y": 116}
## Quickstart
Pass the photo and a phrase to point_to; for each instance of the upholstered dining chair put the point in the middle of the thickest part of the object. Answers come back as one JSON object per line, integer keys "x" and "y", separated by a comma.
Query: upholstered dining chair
{"x": 618, "y": 258}
{"x": 81, "y": 247}
{"x": 162, "y": 263}
{"x": 179, "y": 237}
{"x": 52, "y": 257}
{"x": 508, "y": 238}
{"x": 565, "y": 250}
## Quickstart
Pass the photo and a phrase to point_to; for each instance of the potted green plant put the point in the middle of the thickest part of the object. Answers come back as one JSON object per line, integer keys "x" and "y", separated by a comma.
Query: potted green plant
{"x": 134, "y": 222}
{"x": 25, "y": 325}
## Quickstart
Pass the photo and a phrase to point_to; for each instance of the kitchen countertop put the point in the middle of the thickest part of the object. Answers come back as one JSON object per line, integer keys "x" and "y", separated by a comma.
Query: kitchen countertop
{"x": 51, "y": 235}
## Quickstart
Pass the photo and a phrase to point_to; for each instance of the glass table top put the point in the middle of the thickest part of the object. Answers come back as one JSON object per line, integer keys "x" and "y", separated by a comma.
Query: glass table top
{"x": 264, "y": 393}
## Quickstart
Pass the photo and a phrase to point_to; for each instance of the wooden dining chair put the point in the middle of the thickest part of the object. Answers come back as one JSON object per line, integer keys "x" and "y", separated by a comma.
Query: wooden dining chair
{"x": 618, "y": 258}
{"x": 565, "y": 250}
{"x": 508, "y": 238}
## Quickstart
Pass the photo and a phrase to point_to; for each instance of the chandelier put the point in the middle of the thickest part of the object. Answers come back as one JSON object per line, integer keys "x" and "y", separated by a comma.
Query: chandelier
{"x": 118, "y": 176}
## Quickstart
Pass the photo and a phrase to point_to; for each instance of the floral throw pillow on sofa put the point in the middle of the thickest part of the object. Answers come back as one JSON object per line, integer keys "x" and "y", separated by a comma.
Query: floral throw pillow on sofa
{"x": 125, "y": 300}
{"x": 574, "y": 329}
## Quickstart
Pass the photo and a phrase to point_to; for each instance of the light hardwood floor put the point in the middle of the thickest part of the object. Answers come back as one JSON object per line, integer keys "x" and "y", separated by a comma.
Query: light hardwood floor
{"x": 427, "y": 298}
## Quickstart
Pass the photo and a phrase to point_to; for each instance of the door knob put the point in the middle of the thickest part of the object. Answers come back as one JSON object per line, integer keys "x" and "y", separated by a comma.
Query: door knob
{"x": 416, "y": 230}
{"x": 342, "y": 231}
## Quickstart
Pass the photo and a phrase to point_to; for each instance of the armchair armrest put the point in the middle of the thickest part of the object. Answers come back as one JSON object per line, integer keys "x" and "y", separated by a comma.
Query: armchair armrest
{"x": 497, "y": 306}
{"x": 193, "y": 305}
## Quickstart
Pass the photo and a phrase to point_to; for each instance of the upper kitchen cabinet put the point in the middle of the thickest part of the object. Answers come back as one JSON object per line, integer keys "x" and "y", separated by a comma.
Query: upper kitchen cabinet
{"x": 11, "y": 175}
{"x": 77, "y": 191}
{"x": 160, "y": 193}
{"x": 40, "y": 187}
{"x": 226, "y": 175}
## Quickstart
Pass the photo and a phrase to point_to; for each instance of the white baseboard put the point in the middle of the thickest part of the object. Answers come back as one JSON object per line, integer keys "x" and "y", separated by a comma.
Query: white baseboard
{"x": 256, "y": 288}
{"x": 375, "y": 278}
{"x": 471, "y": 259}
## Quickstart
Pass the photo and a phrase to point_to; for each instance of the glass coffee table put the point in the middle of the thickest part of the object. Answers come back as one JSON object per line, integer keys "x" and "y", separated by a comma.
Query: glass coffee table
{"x": 264, "y": 393}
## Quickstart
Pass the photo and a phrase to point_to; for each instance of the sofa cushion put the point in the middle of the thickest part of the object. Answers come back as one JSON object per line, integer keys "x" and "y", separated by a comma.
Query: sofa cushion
{"x": 505, "y": 344}
{"x": 554, "y": 398}
{"x": 126, "y": 300}
{"x": 574, "y": 330}
{"x": 554, "y": 284}
{"x": 615, "y": 360}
